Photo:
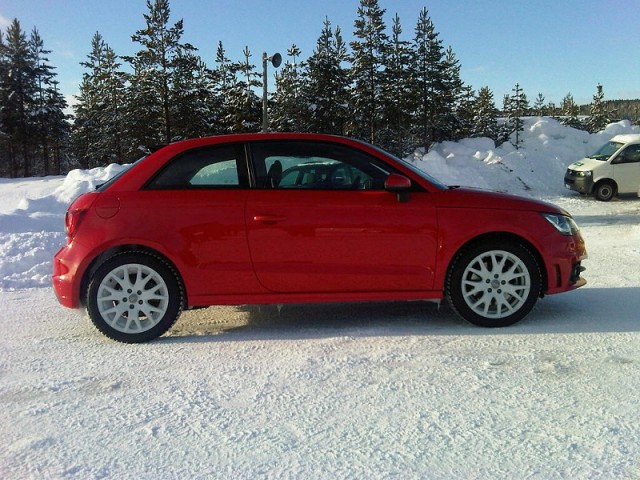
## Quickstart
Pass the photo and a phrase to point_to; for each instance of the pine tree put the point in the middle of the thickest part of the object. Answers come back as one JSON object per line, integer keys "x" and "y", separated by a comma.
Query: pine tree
{"x": 455, "y": 117}
{"x": 598, "y": 116}
{"x": 539, "y": 107}
{"x": 242, "y": 106}
{"x": 367, "y": 61}
{"x": 19, "y": 90}
{"x": 191, "y": 97}
{"x": 428, "y": 82}
{"x": 287, "y": 106}
{"x": 99, "y": 127}
{"x": 325, "y": 88}
{"x": 516, "y": 108}
{"x": 485, "y": 115}
{"x": 156, "y": 66}
{"x": 396, "y": 94}
{"x": 223, "y": 78}
{"x": 570, "y": 111}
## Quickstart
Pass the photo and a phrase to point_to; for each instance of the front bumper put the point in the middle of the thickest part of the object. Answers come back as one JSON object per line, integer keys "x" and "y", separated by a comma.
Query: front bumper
{"x": 578, "y": 183}
{"x": 564, "y": 265}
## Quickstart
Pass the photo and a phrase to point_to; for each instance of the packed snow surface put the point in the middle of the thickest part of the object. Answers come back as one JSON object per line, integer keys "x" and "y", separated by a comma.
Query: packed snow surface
{"x": 357, "y": 391}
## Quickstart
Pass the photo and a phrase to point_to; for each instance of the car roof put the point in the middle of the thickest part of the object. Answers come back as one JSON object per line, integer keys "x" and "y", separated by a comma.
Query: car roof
{"x": 627, "y": 138}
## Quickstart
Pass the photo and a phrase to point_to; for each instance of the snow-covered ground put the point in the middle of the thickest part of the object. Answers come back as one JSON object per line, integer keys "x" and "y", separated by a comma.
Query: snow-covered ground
{"x": 392, "y": 390}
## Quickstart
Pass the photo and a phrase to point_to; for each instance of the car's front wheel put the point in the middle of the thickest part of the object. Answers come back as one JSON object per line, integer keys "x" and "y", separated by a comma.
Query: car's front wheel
{"x": 134, "y": 297}
{"x": 494, "y": 284}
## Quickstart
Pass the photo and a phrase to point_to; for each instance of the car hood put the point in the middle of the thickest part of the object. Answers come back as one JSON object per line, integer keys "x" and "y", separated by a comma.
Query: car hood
{"x": 585, "y": 164}
{"x": 465, "y": 197}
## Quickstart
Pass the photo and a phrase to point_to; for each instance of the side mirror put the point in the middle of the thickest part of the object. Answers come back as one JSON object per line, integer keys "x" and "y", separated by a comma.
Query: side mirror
{"x": 398, "y": 184}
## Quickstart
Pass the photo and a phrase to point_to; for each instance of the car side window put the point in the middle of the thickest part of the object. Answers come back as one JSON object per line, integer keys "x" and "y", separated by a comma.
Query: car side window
{"x": 316, "y": 165}
{"x": 205, "y": 167}
{"x": 631, "y": 154}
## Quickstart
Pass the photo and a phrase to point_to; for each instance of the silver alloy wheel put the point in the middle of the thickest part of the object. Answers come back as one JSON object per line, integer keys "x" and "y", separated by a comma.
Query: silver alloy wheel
{"x": 132, "y": 298}
{"x": 496, "y": 284}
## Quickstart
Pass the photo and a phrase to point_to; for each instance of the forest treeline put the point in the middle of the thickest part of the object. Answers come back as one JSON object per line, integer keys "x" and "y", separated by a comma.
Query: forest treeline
{"x": 399, "y": 91}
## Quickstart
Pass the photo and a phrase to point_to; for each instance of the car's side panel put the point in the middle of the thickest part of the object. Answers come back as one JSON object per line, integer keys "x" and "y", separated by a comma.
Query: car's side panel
{"x": 201, "y": 231}
{"x": 341, "y": 241}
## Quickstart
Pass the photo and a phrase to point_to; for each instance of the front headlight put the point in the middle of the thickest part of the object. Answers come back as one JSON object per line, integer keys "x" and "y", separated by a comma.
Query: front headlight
{"x": 564, "y": 224}
{"x": 588, "y": 173}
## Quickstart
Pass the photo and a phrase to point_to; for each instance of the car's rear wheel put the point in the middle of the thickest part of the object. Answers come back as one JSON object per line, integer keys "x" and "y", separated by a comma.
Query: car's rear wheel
{"x": 605, "y": 191}
{"x": 134, "y": 297}
{"x": 494, "y": 284}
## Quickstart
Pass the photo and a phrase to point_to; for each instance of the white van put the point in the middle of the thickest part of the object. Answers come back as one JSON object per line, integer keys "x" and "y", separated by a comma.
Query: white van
{"x": 613, "y": 169}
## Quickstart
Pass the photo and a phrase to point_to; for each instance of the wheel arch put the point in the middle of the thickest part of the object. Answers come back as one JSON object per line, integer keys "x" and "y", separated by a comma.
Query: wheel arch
{"x": 492, "y": 237}
{"x": 128, "y": 248}
{"x": 602, "y": 180}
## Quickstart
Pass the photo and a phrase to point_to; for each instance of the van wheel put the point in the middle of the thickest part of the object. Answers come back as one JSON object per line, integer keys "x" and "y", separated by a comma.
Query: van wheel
{"x": 605, "y": 191}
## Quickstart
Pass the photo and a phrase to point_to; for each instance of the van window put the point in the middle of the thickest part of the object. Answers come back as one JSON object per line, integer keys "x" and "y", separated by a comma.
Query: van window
{"x": 631, "y": 154}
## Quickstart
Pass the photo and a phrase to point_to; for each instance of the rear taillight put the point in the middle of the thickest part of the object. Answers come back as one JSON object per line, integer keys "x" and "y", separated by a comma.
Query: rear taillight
{"x": 72, "y": 221}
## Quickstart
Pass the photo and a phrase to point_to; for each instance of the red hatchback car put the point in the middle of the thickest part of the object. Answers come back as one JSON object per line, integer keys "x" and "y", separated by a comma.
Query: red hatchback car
{"x": 296, "y": 218}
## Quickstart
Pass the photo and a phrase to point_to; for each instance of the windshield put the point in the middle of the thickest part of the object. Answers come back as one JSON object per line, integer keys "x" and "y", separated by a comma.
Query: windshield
{"x": 605, "y": 152}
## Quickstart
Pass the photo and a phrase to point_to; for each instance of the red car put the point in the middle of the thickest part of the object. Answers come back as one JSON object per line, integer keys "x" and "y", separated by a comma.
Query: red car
{"x": 296, "y": 218}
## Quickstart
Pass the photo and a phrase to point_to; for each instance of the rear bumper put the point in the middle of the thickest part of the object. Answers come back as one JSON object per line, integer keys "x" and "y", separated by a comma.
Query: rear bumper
{"x": 67, "y": 274}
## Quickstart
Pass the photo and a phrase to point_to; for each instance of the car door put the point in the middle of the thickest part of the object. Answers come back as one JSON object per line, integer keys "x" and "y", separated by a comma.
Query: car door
{"x": 626, "y": 169}
{"x": 331, "y": 227}
{"x": 195, "y": 206}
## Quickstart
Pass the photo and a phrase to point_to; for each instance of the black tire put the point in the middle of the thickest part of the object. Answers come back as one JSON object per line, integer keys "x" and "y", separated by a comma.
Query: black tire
{"x": 134, "y": 297}
{"x": 493, "y": 284}
{"x": 605, "y": 191}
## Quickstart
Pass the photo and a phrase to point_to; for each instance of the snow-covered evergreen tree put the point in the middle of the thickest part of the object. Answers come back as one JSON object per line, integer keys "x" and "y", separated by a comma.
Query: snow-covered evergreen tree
{"x": 570, "y": 111}
{"x": 287, "y": 108}
{"x": 485, "y": 115}
{"x": 243, "y": 107}
{"x": 395, "y": 133}
{"x": 428, "y": 83}
{"x": 19, "y": 90}
{"x": 367, "y": 69}
{"x": 99, "y": 127}
{"x": 153, "y": 83}
{"x": 598, "y": 115}
{"x": 191, "y": 97}
{"x": 456, "y": 99}
{"x": 516, "y": 108}
{"x": 325, "y": 87}
{"x": 50, "y": 124}
{"x": 540, "y": 108}
{"x": 222, "y": 78}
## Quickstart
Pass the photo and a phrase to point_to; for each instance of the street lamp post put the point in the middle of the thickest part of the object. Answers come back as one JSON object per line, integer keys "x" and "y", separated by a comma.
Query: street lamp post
{"x": 276, "y": 60}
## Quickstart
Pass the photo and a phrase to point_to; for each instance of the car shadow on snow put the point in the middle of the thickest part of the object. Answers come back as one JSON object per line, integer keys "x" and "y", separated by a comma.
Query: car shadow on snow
{"x": 588, "y": 310}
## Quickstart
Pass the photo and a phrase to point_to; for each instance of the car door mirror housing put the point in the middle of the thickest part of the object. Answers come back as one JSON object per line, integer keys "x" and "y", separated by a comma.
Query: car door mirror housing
{"x": 398, "y": 184}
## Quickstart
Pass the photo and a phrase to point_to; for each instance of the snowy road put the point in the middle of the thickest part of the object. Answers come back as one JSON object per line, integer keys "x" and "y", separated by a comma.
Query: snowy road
{"x": 354, "y": 391}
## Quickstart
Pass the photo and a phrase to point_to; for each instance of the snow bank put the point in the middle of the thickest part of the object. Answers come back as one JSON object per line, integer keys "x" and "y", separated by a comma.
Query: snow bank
{"x": 32, "y": 223}
{"x": 32, "y": 210}
{"x": 536, "y": 169}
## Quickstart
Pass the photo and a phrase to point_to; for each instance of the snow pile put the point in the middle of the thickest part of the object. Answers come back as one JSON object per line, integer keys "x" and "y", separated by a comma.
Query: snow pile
{"x": 537, "y": 168}
{"x": 32, "y": 223}
{"x": 32, "y": 211}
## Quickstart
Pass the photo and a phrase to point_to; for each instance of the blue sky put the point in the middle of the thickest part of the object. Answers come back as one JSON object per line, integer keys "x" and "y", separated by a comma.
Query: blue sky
{"x": 549, "y": 46}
